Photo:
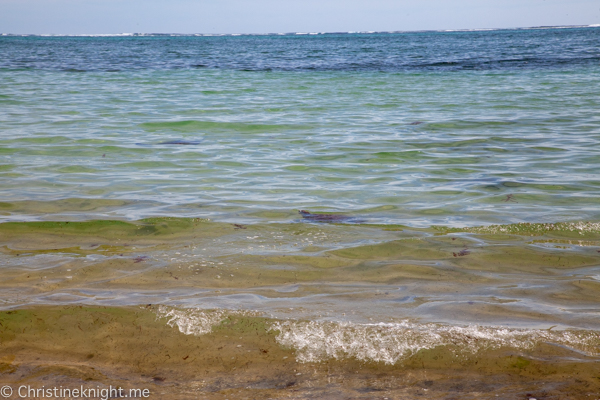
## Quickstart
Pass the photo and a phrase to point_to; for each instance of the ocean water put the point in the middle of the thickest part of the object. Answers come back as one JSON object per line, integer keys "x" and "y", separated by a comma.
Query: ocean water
{"x": 377, "y": 203}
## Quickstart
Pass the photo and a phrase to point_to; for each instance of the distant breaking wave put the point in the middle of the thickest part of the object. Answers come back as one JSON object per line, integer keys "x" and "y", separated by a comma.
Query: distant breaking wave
{"x": 292, "y": 33}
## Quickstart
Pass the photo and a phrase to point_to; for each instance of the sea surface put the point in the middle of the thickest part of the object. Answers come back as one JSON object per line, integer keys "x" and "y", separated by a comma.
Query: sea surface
{"x": 371, "y": 198}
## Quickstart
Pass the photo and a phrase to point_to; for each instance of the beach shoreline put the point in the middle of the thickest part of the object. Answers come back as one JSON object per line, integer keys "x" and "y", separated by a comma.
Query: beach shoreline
{"x": 240, "y": 357}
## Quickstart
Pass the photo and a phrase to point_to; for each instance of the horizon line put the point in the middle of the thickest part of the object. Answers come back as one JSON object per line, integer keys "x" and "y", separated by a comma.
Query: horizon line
{"x": 302, "y": 33}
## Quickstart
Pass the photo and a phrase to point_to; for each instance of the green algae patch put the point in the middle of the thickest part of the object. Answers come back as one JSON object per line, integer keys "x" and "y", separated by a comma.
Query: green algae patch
{"x": 391, "y": 227}
{"x": 63, "y": 205}
{"x": 395, "y": 274}
{"x": 320, "y": 262}
{"x": 78, "y": 251}
{"x": 98, "y": 227}
{"x": 102, "y": 228}
{"x": 45, "y": 235}
{"x": 172, "y": 226}
{"x": 579, "y": 230}
{"x": 135, "y": 340}
{"x": 398, "y": 249}
{"x": 524, "y": 259}
{"x": 521, "y": 363}
{"x": 77, "y": 169}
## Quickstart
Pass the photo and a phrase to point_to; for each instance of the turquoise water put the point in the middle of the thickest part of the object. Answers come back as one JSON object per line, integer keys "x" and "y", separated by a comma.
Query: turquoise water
{"x": 457, "y": 129}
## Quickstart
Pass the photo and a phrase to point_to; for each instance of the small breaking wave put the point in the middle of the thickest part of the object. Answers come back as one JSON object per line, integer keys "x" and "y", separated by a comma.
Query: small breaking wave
{"x": 393, "y": 342}
{"x": 389, "y": 343}
{"x": 196, "y": 322}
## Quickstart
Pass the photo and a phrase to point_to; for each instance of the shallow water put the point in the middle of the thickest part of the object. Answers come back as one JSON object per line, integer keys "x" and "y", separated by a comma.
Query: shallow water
{"x": 531, "y": 276}
{"x": 460, "y": 128}
{"x": 378, "y": 203}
